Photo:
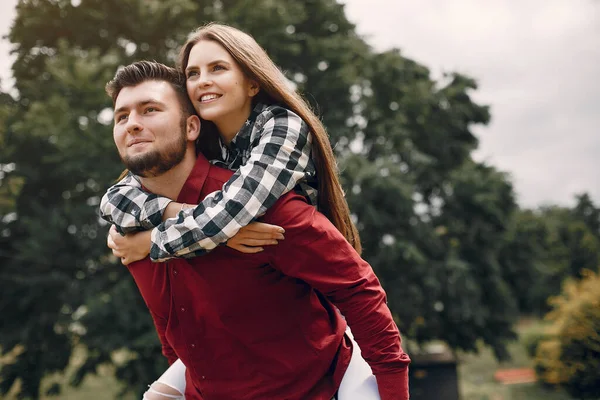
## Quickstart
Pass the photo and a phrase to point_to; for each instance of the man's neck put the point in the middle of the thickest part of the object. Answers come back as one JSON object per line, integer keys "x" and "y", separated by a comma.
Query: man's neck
{"x": 170, "y": 183}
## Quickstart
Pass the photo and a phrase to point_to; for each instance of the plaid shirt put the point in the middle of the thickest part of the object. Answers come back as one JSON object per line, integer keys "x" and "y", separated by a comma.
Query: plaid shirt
{"x": 271, "y": 156}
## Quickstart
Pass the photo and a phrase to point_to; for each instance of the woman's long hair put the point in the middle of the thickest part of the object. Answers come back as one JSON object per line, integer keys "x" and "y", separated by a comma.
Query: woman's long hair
{"x": 274, "y": 89}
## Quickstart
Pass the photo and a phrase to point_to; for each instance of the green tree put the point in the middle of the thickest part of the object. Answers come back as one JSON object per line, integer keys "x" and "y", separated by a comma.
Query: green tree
{"x": 586, "y": 211}
{"x": 543, "y": 247}
{"x": 431, "y": 218}
{"x": 525, "y": 266}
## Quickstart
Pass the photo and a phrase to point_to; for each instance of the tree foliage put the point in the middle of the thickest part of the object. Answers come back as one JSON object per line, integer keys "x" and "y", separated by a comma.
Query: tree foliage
{"x": 543, "y": 247}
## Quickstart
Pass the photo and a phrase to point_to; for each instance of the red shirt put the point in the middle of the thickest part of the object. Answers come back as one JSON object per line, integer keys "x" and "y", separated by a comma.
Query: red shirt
{"x": 265, "y": 325}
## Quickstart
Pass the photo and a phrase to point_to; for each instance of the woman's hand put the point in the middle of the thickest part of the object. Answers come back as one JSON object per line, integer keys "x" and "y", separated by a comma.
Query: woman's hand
{"x": 252, "y": 237}
{"x": 131, "y": 247}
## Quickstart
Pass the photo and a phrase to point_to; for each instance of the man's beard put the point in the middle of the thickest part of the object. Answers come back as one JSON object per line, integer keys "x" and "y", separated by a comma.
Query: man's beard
{"x": 157, "y": 162}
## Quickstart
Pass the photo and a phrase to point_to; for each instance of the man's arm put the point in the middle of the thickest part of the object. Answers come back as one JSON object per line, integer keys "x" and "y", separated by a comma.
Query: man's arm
{"x": 316, "y": 252}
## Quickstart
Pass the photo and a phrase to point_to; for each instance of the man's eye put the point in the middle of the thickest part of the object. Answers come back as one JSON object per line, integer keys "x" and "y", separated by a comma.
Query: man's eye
{"x": 121, "y": 117}
{"x": 150, "y": 109}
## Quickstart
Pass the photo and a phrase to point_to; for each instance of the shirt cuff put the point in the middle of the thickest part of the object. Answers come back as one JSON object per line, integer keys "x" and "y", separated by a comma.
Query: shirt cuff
{"x": 154, "y": 219}
{"x": 157, "y": 254}
{"x": 393, "y": 386}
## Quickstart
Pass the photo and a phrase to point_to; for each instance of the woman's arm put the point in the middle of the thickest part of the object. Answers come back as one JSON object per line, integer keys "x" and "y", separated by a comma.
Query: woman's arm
{"x": 131, "y": 209}
{"x": 277, "y": 163}
{"x": 250, "y": 239}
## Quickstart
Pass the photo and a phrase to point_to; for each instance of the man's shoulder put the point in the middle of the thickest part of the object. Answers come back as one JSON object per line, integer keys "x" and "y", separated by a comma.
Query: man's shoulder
{"x": 217, "y": 176}
{"x": 291, "y": 209}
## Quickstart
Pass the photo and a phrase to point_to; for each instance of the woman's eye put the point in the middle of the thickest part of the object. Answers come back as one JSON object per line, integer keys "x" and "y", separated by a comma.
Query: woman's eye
{"x": 218, "y": 67}
{"x": 192, "y": 73}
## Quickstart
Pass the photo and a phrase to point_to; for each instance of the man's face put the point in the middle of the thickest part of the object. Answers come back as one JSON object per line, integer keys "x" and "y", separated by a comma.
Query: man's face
{"x": 149, "y": 128}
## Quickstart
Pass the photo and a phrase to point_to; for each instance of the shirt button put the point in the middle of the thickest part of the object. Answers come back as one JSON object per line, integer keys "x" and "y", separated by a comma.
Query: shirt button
{"x": 182, "y": 308}
{"x": 174, "y": 272}
{"x": 193, "y": 346}
{"x": 203, "y": 377}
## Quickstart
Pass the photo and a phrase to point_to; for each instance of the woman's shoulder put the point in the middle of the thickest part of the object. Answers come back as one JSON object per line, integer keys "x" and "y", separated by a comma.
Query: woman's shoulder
{"x": 275, "y": 116}
{"x": 274, "y": 112}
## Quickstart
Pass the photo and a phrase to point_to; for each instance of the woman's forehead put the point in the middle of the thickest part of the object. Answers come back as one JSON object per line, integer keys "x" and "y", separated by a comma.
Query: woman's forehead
{"x": 208, "y": 51}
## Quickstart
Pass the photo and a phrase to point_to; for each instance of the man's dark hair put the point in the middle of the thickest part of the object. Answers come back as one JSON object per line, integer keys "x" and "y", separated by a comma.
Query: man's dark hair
{"x": 142, "y": 71}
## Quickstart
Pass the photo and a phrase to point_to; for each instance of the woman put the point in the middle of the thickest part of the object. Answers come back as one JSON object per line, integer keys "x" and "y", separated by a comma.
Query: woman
{"x": 266, "y": 132}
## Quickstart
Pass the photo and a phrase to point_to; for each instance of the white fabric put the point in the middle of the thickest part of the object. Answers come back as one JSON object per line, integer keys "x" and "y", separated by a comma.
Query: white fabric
{"x": 358, "y": 382}
{"x": 163, "y": 396}
{"x": 173, "y": 377}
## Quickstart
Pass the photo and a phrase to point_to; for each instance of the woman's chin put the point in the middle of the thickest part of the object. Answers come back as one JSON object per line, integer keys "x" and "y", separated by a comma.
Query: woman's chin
{"x": 208, "y": 112}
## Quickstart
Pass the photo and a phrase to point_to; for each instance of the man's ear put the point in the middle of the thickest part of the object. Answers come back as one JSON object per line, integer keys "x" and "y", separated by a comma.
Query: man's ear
{"x": 192, "y": 127}
{"x": 253, "y": 89}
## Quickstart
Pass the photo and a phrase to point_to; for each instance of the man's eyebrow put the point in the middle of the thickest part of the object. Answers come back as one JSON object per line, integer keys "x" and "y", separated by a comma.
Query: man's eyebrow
{"x": 139, "y": 104}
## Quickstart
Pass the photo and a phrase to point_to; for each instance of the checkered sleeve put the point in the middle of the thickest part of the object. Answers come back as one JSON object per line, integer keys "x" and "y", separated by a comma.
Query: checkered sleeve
{"x": 130, "y": 208}
{"x": 279, "y": 160}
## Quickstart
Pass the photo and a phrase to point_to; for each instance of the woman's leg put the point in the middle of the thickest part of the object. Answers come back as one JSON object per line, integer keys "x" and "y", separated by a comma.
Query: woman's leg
{"x": 170, "y": 386}
{"x": 358, "y": 381}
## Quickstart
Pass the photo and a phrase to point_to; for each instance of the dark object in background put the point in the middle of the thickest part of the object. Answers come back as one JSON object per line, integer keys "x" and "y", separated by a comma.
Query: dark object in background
{"x": 433, "y": 377}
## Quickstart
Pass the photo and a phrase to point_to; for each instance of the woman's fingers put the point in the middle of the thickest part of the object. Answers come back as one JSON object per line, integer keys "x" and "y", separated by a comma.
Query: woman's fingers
{"x": 261, "y": 231}
{"x": 265, "y": 228}
{"x": 243, "y": 236}
{"x": 245, "y": 249}
{"x": 257, "y": 242}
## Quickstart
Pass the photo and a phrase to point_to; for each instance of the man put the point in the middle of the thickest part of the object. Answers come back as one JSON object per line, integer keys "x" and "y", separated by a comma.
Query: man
{"x": 249, "y": 326}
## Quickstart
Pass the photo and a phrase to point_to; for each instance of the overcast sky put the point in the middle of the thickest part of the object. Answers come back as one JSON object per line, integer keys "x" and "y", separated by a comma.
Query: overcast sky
{"x": 538, "y": 66}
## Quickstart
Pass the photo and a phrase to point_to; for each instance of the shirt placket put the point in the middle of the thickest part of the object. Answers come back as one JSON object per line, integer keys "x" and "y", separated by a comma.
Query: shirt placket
{"x": 183, "y": 304}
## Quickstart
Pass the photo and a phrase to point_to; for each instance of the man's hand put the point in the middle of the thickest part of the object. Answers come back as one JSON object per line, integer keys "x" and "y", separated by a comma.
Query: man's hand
{"x": 252, "y": 237}
{"x": 131, "y": 247}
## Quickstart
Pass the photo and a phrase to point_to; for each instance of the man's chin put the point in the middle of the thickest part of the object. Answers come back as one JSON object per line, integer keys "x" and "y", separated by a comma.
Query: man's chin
{"x": 143, "y": 165}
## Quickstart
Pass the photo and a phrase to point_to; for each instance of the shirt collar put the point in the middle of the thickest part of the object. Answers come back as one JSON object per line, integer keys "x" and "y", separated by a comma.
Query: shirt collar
{"x": 195, "y": 181}
{"x": 241, "y": 140}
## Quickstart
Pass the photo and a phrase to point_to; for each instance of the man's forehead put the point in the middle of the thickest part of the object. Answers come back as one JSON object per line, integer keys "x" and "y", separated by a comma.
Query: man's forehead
{"x": 130, "y": 96}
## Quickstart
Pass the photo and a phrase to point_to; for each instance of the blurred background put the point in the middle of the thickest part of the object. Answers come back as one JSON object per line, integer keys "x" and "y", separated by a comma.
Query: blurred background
{"x": 467, "y": 138}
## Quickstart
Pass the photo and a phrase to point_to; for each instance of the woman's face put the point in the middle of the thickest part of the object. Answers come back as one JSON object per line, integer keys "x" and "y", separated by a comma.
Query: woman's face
{"x": 218, "y": 88}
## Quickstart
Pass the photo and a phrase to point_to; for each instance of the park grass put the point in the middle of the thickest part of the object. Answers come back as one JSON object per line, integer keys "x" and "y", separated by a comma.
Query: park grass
{"x": 476, "y": 373}
{"x": 99, "y": 386}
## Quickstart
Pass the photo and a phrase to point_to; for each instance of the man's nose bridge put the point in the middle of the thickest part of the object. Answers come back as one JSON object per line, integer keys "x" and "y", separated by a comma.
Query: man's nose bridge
{"x": 133, "y": 121}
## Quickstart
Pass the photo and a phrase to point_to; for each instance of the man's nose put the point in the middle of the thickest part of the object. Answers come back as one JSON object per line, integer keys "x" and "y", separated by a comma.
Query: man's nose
{"x": 133, "y": 123}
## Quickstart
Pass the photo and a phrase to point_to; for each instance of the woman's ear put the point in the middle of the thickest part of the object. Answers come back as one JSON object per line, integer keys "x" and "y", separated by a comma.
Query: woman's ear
{"x": 192, "y": 127}
{"x": 253, "y": 89}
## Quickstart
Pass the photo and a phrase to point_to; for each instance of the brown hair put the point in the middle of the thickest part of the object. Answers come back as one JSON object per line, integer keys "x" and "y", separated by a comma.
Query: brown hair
{"x": 142, "y": 71}
{"x": 274, "y": 89}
